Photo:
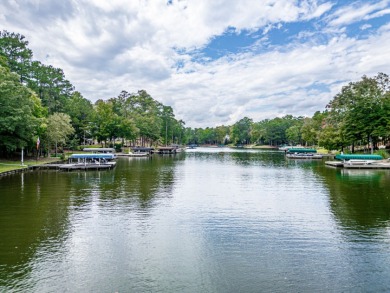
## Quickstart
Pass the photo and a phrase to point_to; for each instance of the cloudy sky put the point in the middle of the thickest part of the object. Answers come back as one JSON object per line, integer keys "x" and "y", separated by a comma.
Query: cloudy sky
{"x": 213, "y": 61}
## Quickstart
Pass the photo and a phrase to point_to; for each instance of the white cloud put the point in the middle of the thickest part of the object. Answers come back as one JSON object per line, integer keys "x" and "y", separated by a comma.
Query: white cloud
{"x": 105, "y": 47}
{"x": 359, "y": 11}
{"x": 365, "y": 26}
{"x": 279, "y": 82}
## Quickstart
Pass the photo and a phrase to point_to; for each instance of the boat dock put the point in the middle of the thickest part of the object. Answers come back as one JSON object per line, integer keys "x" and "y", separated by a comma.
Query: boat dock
{"x": 136, "y": 155}
{"x": 334, "y": 163}
{"x": 166, "y": 150}
{"x": 371, "y": 165}
{"x": 69, "y": 167}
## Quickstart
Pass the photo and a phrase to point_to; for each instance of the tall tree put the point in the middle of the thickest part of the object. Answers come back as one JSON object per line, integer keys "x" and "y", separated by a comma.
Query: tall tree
{"x": 360, "y": 110}
{"x": 21, "y": 112}
{"x": 312, "y": 127}
{"x": 241, "y": 131}
{"x": 51, "y": 86}
{"x": 80, "y": 111}
{"x": 14, "y": 48}
{"x": 59, "y": 128}
{"x": 106, "y": 122}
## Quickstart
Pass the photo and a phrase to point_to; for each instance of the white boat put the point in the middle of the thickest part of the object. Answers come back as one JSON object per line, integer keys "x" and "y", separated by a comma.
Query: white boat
{"x": 303, "y": 156}
{"x": 139, "y": 154}
{"x": 285, "y": 147}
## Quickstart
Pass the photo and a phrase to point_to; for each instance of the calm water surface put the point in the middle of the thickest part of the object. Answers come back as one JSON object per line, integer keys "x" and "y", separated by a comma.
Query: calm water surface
{"x": 208, "y": 220}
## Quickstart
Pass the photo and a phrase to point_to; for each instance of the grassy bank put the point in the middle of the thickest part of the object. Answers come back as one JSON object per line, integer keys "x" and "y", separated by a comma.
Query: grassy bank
{"x": 10, "y": 165}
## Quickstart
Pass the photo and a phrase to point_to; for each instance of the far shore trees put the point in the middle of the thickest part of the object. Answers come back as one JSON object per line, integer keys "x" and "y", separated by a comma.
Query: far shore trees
{"x": 35, "y": 98}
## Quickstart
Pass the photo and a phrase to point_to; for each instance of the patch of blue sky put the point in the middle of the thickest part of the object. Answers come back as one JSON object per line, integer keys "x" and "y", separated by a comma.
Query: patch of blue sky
{"x": 231, "y": 42}
{"x": 318, "y": 86}
{"x": 290, "y": 31}
{"x": 364, "y": 28}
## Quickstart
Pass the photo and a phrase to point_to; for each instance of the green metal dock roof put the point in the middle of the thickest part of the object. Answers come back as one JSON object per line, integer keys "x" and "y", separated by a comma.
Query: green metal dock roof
{"x": 301, "y": 150}
{"x": 92, "y": 156}
{"x": 358, "y": 157}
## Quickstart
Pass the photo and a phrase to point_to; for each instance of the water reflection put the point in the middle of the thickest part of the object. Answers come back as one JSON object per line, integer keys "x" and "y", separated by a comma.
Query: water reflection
{"x": 217, "y": 220}
{"x": 359, "y": 199}
{"x": 34, "y": 210}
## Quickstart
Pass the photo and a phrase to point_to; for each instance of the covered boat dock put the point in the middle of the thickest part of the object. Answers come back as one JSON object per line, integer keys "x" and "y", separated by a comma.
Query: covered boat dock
{"x": 89, "y": 162}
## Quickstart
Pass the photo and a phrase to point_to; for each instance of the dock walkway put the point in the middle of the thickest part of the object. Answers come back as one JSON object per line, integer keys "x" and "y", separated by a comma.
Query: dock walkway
{"x": 373, "y": 165}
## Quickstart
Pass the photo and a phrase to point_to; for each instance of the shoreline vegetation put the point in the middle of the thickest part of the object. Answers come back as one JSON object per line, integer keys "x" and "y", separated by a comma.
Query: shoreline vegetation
{"x": 55, "y": 117}
{"x": 9, "y": 165}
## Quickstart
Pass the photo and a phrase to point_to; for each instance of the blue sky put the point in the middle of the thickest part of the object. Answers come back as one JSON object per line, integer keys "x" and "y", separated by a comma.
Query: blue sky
{"x": 214, "y": 62}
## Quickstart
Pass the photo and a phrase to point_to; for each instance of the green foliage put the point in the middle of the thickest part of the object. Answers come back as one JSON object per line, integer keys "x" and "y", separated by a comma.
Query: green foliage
{"x": 293, "y": 134}
{"x": 241, "y": 131}
{"x": 58, "y": 129}
{"x": 80, "y": 111}
{"x": 13, "y": 47}
{"x": 312, "y": 128}
{"x": 330, "y": 138}
{"x": 20, "y": 112}
{"x": 30, "y": 91}
{"x": 384, "y": 153}
{"x": 118, "y": 147}
{"x": 51, "y": 86}
{"x": 136, "y": 117}
{"x": 361, "y": 111}
{"x": 105, "y": 121}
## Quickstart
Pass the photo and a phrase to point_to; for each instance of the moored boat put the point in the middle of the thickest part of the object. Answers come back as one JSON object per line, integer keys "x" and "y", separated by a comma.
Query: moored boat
{"x": 303, "y": 156}
{"x": 89, "y": 162}
{"x": 302, "y": 153}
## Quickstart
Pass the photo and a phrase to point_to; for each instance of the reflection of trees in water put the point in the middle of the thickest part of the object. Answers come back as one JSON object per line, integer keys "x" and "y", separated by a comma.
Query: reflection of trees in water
{"x": 35, "y": 208}
{"x": 359, "y": 199}
{"x": 85, "y": 185}
{"x": 139, "y": 180}
{"x": 34, "y": 213}
{"x": 242, "y": 157}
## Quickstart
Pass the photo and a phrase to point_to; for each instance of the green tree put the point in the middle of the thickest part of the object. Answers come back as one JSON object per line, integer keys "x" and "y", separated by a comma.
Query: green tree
{"x": 259, "y": 131}
{"x": 59, "y": 128}
{"x": 51, "y": 86}
{"x": 331, "y": 138}
{"x": 222, "y": 134}
{"x": 312, "y": 127}
{"x": 360, "y": 110}
{"x": 106, "y": 123}
{"x": 80, "y": 111}
{"x": 14, "y": 48}
{"x": 241, "y": 131}
{"x": 293, "y": 134}
{"x": 168, "y": 119}
{"x": 21, "y": 113}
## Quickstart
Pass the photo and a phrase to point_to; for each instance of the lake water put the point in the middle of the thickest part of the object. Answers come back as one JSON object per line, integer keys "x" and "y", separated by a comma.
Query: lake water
{"x": 208, "y": 220}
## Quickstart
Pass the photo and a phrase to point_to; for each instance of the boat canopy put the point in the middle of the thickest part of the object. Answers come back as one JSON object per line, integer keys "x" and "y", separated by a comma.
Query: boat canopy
{"x": 358, "y": 157}
{"x": 301, "y": 150}
{"x": 92, "y": 156}
{"x": 99, "y": 150}
{"x": 142, "y": 149}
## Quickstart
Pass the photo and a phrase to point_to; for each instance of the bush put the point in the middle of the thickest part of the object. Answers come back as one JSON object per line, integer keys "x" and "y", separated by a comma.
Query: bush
{"x": 383, "y": 153}
{"x": 118, "y": 147}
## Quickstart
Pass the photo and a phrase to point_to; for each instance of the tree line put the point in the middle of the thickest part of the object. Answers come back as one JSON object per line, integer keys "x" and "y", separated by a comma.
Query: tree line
{"x": 40, "y": 109}
{"x": 359, "y": 115}
{"x": 37, "y": 101}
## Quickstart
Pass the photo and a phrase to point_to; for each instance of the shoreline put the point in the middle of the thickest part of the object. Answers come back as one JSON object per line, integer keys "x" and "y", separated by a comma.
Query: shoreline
{"x": 14, "y": 167}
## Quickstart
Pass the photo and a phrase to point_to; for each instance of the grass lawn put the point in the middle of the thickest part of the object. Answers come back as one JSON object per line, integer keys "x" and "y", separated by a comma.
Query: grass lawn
{"x": 9, "y": 165}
